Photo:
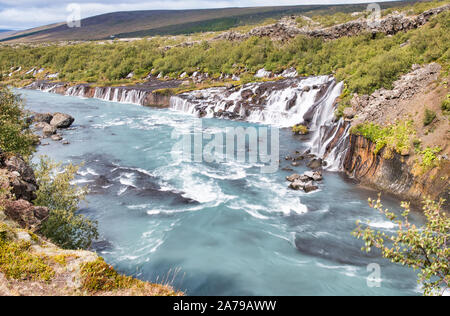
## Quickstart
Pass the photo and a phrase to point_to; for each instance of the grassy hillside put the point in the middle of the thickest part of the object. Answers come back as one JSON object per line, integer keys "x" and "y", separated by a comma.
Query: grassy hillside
{"x": 364, "y": 62}
{"x": 173, "y": 22}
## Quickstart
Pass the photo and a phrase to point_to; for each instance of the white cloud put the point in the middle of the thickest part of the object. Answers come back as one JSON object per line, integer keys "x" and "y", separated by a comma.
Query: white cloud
{"x": 22, "y": 14}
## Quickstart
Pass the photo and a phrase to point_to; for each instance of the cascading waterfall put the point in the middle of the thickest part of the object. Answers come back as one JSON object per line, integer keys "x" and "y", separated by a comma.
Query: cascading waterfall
{"x": 77, "y": 91}
{"x": 323, "y": 119}
{"x": 121, "y": 95}
{"x": 280, "y": 103}
{"x": 113, "y": 94}
{"x": 284, "y": 103}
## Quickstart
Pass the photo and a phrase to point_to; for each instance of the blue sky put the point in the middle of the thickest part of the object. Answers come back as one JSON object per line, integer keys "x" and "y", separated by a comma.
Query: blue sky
{"x": 23, "y": 14}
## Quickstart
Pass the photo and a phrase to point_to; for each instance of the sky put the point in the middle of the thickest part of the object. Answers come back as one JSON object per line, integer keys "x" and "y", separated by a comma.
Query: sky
{"x": 24, "y": 14}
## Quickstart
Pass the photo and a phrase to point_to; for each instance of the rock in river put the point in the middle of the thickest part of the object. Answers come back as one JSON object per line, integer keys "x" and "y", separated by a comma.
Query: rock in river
{"x": 61, "y": 120}
{"x": 48, "y": 130}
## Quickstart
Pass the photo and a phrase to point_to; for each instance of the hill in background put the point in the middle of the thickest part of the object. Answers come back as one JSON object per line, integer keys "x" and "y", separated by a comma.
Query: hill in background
{"x": 173, "y": 22}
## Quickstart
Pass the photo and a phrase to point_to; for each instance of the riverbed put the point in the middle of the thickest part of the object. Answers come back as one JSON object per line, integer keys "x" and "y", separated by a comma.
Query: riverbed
{"x": 211, "y": 228}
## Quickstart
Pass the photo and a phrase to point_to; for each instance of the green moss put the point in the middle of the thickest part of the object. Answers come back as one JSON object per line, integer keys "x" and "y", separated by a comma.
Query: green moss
{"x": 63, "y": 258}
{"x": 445, "y": 106}
{"x": 393, "y": 138}
{"x": 429, "y": 158}
{"x": 6, "y": 232}
{"x": 99, "y": 276}
{"x": 17, "y": 262}
{"x": 300, "y": 129}
{"x": 343, "y": 102}
{"x": 429, "y": 117}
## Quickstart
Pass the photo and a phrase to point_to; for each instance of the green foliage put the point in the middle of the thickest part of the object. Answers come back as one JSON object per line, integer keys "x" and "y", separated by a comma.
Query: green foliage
{"x": 302, "y": 22}
{"x": 429, "y": 158}
{"x": 337, "y": 18}
{"x": 64, "y": 226}
{"x": 445, "y": 106}
{"x": 17, "y": 262}
{"x": 99, "y": 276}
{"x": 300, "y": 129}
{"x": 424, "y": 248}
{"x": 15, "y": 135}
{"x": 365, "y": 63}
{"x": 344, "y": 102}
{"x": 394, "y": 138}
{"x": 429, "y": 117}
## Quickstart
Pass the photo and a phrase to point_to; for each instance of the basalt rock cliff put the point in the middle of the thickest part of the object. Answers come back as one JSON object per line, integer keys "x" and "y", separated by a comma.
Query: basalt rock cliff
{"x": 401, "y": 174}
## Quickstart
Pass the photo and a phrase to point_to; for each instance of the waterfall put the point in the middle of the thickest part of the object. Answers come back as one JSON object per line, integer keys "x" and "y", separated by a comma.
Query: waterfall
{"x": 77, "y": 91}
{"x": 280, "y": 103}
{"x": 323, "y": 119}
{"x": 283, "y": 103}
{"x": 121, "y": 95}
{"x": 335, "y": 157}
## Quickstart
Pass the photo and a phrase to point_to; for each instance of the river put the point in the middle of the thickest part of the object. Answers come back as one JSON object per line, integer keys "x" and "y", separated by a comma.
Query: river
{"x": 215, "y": 228}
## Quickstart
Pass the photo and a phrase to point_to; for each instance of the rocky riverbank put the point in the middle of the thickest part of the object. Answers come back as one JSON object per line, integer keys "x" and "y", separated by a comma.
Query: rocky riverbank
{"x": 402, "y": 174}
{"x": 32, "y": 265}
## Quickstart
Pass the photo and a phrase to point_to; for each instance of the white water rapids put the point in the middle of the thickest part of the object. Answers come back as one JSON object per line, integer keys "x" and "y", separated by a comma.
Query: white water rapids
{"x": 283, "y": 103}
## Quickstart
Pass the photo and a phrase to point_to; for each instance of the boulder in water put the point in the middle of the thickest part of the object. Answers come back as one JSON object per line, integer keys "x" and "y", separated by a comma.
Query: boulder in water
{"x": 61, "y": 120}
{"x": 293, "y": 177}
{"x": 315, "y": 163}
{"x": 48, "y": 130}
{"x": 42, "y": 117}
{"x": 309, "y": 187}
{"x": 56, "y": 137}
{"x": 314, "y": 175}
{"x": 246, "y": 94}
{"x": 297, "y": 185}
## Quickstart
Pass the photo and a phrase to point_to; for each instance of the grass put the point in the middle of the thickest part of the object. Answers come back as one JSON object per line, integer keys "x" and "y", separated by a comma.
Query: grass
{"x": 429, "y": 117}
{"x": 98, "y": 276}
{"x": 17, "y": 262}
{"x": 394, "y": 138}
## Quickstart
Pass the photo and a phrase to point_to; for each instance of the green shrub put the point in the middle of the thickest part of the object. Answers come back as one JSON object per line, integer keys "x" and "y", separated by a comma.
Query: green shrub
{"x": 422, "y": 248}
{"x": 429, "y": 158}
{"x": 64, "y": 226}
{"x": 445, "y": 107}
{"x": 344, "y": 102}
{"x": 300, "y": 129}
{"x": 99, "y": 276}
{"x": 394, "y": 138}
{"x": 15, "y": 135}
{"x": 429, "y": 117}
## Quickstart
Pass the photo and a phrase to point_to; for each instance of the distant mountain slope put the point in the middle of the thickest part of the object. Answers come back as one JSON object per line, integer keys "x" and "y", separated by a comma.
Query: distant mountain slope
{"x": 169, "y": 22}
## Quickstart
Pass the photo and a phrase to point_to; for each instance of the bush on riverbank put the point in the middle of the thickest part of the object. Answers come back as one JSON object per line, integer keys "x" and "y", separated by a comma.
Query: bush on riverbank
{"x": 65, "y": 226}
{"x": 421, "y": 248}
{"x": 15, "y": 136}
